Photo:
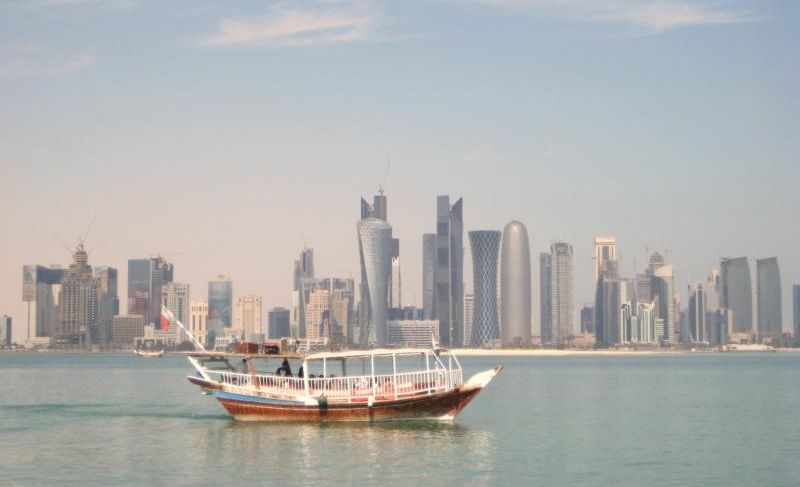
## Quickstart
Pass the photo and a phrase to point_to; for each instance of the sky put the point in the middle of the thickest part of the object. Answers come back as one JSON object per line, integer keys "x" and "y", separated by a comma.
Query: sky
{"x": 228, "y": 135}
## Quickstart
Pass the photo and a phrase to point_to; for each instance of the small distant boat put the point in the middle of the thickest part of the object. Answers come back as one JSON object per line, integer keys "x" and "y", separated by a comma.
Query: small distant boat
{"x": 370, "y": 385}
{"x": 149, "y": 353}
{"x": 748, "y": 347}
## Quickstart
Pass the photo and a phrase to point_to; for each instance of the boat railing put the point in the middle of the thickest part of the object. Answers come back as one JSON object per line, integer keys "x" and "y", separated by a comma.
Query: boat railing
{"x": 350, "y": 389}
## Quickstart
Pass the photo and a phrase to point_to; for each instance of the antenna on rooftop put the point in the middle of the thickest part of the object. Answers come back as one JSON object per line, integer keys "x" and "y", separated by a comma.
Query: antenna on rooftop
{"x": 385, "y": 175}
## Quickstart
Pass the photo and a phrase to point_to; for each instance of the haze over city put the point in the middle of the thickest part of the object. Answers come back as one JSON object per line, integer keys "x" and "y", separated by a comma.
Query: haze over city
{"x": 227, "y": 137}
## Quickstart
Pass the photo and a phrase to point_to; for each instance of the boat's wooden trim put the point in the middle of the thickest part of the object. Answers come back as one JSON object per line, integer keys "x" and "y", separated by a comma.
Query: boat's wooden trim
{"x": 206, "y": 384}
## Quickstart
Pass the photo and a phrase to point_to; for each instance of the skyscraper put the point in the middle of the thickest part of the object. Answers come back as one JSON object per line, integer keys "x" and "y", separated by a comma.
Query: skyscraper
{"x": 374, "y": 241}
{"x": 664, "y": 292}
{"x": 145, "y": 280}
{"x": 248, "y": 315}
{"x": 428, "y": 273}
{"x": 108, "y": 303}
{"x": 40, "y": 289}
{"x": 611, "y": 295}
{"x": 304, "y": 283}
{"x": 469, "y": 314}
{"x": 737, "y": 293}
{"x": 796, "y": 306}
{"x": 770, "y": 320}
{"x": 698, "y": 311}
{"x": 605, "y": 255}
{"x": 515, "y": 284}
{"x": 562, "y": 313}
{"x": 278, "y": 323}
{"x": 199, "y": 319}
{"x": 396, "y": 291}
{"x": 587, "y": 319}
{"x": 220, "y": 308}
{"x": 448, "y": 301}
{"x": 485, "y": 246}
{"x": 78, "y": 303}
{"x": 545, "y": 296}
{"x": 6, "y": 330}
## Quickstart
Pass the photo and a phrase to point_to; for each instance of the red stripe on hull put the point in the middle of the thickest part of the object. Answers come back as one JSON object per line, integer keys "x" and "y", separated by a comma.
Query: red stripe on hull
{"x": 439, "y": 406}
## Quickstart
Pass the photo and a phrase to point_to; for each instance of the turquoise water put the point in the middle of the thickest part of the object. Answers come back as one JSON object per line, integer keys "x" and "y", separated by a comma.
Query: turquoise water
{"x": 716, "y": 419}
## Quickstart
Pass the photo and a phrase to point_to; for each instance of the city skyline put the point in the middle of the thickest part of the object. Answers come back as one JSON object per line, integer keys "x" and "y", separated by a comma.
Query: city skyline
{"x": 535, "y": 116}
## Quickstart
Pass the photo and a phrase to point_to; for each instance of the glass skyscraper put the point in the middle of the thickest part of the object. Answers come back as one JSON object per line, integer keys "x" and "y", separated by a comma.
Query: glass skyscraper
{"x": 108, "y": 303}
{"x": 428, "y": 272}
{"x": 485, "y": 246}
{"x": 737, "y": 293}
{"x": 545, "y": 303}
{"x": 145, "y": 280}
{"x": 796, "y": 307}
{"x": 375, "y": 249}
{"x": 278, "y": 323}
{"x": 562, "y": 313}
{"x": 448, "y": 301}
{"x": 220, "y": 308}
{"x": 770, "y": 322}
{"x": 40, "y": 287}
{"x": 664, "y": 292}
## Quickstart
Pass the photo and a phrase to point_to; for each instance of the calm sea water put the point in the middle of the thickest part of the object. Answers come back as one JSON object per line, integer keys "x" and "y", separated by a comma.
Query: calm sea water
{"x": 716, "y": 419}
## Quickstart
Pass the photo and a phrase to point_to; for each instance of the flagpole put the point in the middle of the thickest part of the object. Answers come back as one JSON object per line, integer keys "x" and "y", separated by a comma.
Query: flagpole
{"x": 172, "y": 317}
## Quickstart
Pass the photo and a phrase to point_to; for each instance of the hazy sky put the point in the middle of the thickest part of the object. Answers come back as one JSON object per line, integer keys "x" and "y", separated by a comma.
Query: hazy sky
{"x": 228, "y": 134}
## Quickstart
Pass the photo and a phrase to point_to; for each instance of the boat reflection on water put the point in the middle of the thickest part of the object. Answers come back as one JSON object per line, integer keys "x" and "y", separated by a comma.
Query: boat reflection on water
{"x": 387, "y": 451}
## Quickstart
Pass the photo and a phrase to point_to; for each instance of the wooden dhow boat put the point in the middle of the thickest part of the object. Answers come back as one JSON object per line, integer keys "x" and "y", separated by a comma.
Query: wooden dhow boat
{"x": 364, "y": 385}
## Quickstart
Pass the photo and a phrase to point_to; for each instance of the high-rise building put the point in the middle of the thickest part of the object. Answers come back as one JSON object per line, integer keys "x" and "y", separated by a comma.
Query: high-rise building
{"x": 545, "y": 297}
{"x": 796, "y": 307}
{"x": 146, "y": 277}
{"x": 587, "y": 319}
{"x": 664, "y": 292}
{"x": 562, "y": 312}
{"x": 737, "y": 293}
{"x": 515, "y": 284}
{"x": 6, "y": 330}
{"x": 248, "y": 315}
{"x": 342, "y": 307}
{"x": 605, "y": 256}
{"x": 220, "y": 308}
{"x": 108, "y": 303}
{"x": 639, "y": 323}
{"x": 374, "y": 241}
{"x": 198, "y": 317}
{"x": 448, "y": 300}
{"x": 428, "y": 274}
{"x": 176, "y": 298}
{"x": 78, "y": 303}
{"x": 40, "y": 289}
{"x": 278, "y": 323}
{"x": 411, "y": 333}
{"x": 396, "y": 290}
{"x": 609, "y": 319}
{"x": 127, "y": 328}
{"x": 698, "y": 314}
{"x": 768, "y": 290}
{"x": 304, "y": 283}
{"x": 485, "y": 246}
{"x": 469, "y": 314}
{"x": 318, "y": 314}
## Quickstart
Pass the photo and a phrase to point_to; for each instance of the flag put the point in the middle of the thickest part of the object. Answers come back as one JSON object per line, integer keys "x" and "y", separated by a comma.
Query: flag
{"x": 164, "y": 323}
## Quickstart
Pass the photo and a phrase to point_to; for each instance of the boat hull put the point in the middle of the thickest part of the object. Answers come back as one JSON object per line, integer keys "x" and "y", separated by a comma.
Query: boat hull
{"x": 442, "y": 406}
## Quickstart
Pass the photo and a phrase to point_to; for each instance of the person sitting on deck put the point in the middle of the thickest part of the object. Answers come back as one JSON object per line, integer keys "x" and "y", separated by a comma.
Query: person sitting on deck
{"x": 285, "y": 370}
{"x": 243, "y": 366}
{"x": 300, "y": 372}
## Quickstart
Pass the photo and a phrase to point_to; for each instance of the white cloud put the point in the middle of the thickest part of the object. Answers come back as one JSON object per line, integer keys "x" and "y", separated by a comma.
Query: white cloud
{"x": 292, "y": 27}
{"x": 651, "y": 15}
{"x": 37, "y": 67}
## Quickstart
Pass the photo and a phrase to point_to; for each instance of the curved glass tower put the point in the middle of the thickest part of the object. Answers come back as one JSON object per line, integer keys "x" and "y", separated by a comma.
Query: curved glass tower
{"x": 737, "y": 292}
{"x": 770, "y": 320}
{"x": 515, "y": 284}
{"x": 485, "y": 245}
{"x": 375, "y": 245}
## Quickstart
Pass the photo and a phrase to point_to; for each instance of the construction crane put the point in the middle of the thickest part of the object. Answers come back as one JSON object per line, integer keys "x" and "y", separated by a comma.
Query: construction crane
{"x": 382, "y": 185}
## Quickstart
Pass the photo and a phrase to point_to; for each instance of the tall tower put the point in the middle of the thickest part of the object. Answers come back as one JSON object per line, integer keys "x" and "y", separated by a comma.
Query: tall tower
{"x": 796, "y": 307}
{"x": 40, "y": 289}
{"x": 78, "y": 303}
{"x": 515, "y": 284}
{"x": 304, "y": 283}
{"x": 107, "y": 302}
{"x": 374, "y": 241}
{"x": 562, "y": 312}
{"x": 448, "y": 273}
{"x": 545, "y": 297}
{"x": 428, "y": 273}
{"x": 698, "y": 311}
{"x": 220, "y": 307}
{"x": 248, "y": 315}
{"x": 605, "y": 255}
{"x": 664, "y": 291}
{"x": 485, "y": 245}
{"x": 737, "y": 293}
{"x": 145, "y": 280}
{"x": 770, "y": 320}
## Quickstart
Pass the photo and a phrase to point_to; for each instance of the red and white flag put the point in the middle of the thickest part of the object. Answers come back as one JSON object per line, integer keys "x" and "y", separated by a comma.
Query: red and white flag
{"x": 164, "y": 322}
